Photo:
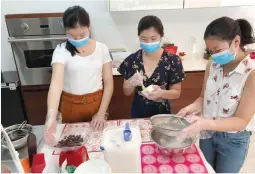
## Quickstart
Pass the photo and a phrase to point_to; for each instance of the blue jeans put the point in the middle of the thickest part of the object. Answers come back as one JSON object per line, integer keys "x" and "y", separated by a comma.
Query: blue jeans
{"x": 226, "y": 152}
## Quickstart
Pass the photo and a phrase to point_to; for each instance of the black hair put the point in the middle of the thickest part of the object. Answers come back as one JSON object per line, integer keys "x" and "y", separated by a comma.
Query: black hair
{"x": 150, "y": 21}
{"x": 75, "y": 16}
{"x": 227, "y": 29}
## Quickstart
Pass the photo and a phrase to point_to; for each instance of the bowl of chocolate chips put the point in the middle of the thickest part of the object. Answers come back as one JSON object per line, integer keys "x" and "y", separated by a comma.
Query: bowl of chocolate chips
{"x": 70, "y": 142}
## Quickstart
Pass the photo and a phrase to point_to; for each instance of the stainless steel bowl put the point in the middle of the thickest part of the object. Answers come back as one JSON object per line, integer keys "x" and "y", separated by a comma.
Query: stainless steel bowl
{"x": 27, "y": 127}
{"x": 169, "y": 122}
{"x": 18, "y": 138}
{"x": 170, "y": 145}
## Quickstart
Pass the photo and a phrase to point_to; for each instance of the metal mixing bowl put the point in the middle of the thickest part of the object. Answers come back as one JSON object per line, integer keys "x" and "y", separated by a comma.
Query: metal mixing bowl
{"x": 27, "y": 127}
{"x": 169, "y": 121}
{"x": 18, "y": 138}
{"x": 170, "y": 145}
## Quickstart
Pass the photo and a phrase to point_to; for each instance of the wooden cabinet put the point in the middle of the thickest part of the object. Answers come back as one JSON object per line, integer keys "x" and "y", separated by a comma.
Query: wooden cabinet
{"x": 133, "y": 5}
{"x": 191, "y": 89}
{"x": 35, "y": 99}
{"x": 216, "y": 3}
{"x": 120, "y": 105}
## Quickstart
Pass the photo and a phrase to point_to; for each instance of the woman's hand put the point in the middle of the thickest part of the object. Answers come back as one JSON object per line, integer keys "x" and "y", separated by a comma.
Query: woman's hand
{"x": 135, "y": 80}
{"x": 198, "y": 124}
{"x": 99, "y": 121}
{"x": 155, "y": 95}
{"x": 189, "y": 110}
{"x": 50, "y": 128}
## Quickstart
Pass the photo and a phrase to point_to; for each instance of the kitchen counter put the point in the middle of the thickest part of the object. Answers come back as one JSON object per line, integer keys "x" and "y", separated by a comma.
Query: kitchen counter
{"x": 52, "y": 159}
{"x": 189, "y": 65}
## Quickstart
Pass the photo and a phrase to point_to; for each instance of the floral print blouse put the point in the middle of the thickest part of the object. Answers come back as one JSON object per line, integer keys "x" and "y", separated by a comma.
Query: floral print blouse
{"x": 168, "y": 72}
{"x": 223, "y": 92}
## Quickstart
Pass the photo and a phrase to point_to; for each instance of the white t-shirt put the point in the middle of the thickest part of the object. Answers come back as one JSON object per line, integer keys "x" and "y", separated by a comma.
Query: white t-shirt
{"x": 83, "y": 75}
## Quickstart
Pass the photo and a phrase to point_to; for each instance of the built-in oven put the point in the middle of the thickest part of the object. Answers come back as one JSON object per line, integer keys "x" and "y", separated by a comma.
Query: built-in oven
{"x": 33, "y": 38}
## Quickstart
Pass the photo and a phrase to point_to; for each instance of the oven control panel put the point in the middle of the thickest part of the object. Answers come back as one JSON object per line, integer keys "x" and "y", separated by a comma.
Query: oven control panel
{"x": 35, "y": 26}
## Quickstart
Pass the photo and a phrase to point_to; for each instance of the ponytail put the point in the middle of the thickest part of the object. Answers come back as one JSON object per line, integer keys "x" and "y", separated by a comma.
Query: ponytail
{"x": 72, "y": 49}
{"x": 227, "y": 29}
{"x": 247, "y": 34}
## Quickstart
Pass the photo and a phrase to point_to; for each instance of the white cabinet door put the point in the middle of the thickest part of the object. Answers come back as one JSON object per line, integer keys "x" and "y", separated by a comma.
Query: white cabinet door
{"x": 216, "y": 3}
{"x": 131, "y": 5}
{"x": 201, "y": 3}
{"x": 237, "y": 2}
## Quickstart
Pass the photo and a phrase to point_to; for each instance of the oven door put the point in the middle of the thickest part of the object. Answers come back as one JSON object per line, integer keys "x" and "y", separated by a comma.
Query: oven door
{"x": 33, "y": 56}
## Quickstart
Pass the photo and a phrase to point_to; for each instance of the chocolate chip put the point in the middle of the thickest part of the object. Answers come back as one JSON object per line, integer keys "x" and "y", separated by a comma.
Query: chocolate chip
{"x": 70, "y": 141}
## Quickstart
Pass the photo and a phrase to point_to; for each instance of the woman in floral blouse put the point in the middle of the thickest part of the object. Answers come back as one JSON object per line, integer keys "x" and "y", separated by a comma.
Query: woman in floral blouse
{"x": 227, "y": 98}
{"x": 151, "y": 65}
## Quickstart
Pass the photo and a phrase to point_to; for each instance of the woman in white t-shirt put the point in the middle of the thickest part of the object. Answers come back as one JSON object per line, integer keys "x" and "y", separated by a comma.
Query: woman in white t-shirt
{"x": 81, "y": 70}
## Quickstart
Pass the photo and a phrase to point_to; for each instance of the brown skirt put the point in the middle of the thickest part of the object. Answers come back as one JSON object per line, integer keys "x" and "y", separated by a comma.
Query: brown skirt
{"x": 79, "y": 108}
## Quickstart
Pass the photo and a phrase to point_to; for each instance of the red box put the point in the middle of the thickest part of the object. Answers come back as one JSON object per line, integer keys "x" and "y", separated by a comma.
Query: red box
{"x": 74, "y": 157}
{"x": 252, "y": 55}
{"x": 38, "y": 163}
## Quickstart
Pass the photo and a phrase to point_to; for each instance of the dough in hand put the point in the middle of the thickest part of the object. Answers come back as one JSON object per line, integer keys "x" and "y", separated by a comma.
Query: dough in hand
{"x": 149, "y": 89}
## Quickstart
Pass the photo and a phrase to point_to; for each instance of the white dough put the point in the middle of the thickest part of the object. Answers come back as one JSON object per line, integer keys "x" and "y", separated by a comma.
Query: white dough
{"x": 149, "y": 89}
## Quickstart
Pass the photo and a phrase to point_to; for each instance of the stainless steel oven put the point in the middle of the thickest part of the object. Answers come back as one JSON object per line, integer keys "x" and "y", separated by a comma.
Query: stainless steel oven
{"x": 33, "y": 38}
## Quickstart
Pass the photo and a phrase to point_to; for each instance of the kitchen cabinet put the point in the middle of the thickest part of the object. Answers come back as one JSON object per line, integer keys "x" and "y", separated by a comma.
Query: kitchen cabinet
{"x": 191, "y": 89}
{"x": 35, "y": 100}
{"x": 133, "y": 5}
{"x": 120, "y": 105}
{"x": 216, "y": 3}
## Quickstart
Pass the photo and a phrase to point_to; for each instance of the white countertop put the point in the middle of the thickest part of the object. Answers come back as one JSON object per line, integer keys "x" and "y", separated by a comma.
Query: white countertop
{"x": 189, "y": 65}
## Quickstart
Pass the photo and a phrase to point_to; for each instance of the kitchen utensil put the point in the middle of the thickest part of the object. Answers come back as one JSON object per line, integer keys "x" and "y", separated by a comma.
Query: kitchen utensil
{"x": 22, "y": 124}
{"x": 13, "y": 152}
{"x": 18, "y": 138}
{"x": 31, "y": 147}
{"x": 93, "y": 166}
{"x": 116, "y": 149}
{"x": 167, "y": 144}
{"x": 169, "y": 122}
{"x": 143, "y": 87}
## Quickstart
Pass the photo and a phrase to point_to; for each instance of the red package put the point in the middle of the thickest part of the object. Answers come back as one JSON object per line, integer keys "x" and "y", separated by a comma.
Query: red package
{"x": 74, "y": 157}
{"x": 252, "y": 55}
{"x": 38, "y": 163}
{"x": 171, "y": 49}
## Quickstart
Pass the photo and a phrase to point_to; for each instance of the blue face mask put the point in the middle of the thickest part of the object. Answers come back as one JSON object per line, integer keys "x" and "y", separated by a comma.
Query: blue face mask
{"x": 79, "y": 43}
{"x": 150, "y": 47}
{"x": 223, "y": 57}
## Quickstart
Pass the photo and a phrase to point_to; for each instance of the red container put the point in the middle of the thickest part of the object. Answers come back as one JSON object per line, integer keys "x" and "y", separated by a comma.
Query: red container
{"x": 252, "y": 55}
{"x": 74, "y": 157}
{"x": 171, "y": 49}
{"x": 38, "y": 163}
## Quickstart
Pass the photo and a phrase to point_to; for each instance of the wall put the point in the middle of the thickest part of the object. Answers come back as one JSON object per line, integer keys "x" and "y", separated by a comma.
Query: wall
{"x": 118, "y": 29}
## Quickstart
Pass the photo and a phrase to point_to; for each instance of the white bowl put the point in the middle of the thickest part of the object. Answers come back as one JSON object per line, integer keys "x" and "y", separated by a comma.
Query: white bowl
{"x": 93, "y": 166}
